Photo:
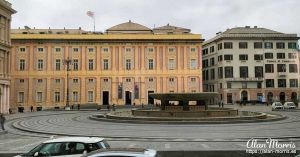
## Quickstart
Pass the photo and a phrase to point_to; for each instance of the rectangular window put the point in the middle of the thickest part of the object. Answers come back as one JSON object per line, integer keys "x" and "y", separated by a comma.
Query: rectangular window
{"x": 20, "y": 97}
{"x": 75, "y": 65}
{"x": 243, "y": 57}
{"x": 228, "y": 57}
{"x": 39, "y": 97}
{"x": 220, "y": 46}
{"x": 57, "y": 49}
{"x": 193, "y": 79}
{"x": 150, "y": 64}
{"x": 105, "y": 64}
{"x": 22, "y": 49}
{"x": 151, "y": 49}
{"x": 57, "y": 96}
{"x": 75, "y": 80}
{"x": 281, "y": 83}
{"x": 292, "y": 55}
{"x": 220, "y": 72}
{"x": 21, "y": 80}
{"x": 212, "y": 61}
{"x": 128, "y": 80}
{"x": 268, "y": 45}
{"x": 220, "y": 58}
{"x": 128, "y": 64}
{"x": 75, "y": 49}
{"x": 40, "y": 64}
{"x": 243, "y": 72}
{"x": 292, "y": 45}
{"x": 171, "y": 79}
{"x": 40, "y": 81}
{"x": 269, "y": 83}
{"x": 281, "y": 68}
{"x": 293, "y": 68}
{"x": 229, "y": 85}
{"x": 105, "y": 49}
{"x": 269, "y": 68}
{"x": 90, "y": 96}
{"x": 212, "y": 49}
{"x": 258, "y": 57}
{"x": 171, "y": 64}
{"x": 105, "y": 80}
{"x": 193, "y": 64}
{"x": 259, "y": 71}
{"x": 243, "y": 45}
{"x": 75, "y": 96}
{"x": 204, "y": 51}
{"x": 171, "y": 49}
{"x": 57, "y": 80}
{"x": 227, "y": 45}
{"x": 40, "y": 49}
{"x": 91, "y": 64}
{"x": 268, "y": 55}
{"x": 293, "y": 82}
{"x": 150, "y": 79}
{"x": 259, "y": 85}
{"x": 280, "y": 55}
{"x": 91, "y": 80}
{"x": 91, "y": 49}
{"x": 280, "y": 45}
{"x": 212, "y": 74}
{"x": 128, "y": 49}
{"x": 57, "y": 64}
{"x": 22, "y": 65}
{"x": 228, "y": 72}
{"x": 257, "y": 45}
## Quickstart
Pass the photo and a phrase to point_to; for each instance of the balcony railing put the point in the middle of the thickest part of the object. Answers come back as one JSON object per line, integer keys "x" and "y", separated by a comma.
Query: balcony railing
{"x": 250, "y": 79}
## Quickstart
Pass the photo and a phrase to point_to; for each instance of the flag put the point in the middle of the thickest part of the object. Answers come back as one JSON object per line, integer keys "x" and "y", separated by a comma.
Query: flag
{"x": 90, "y": 14}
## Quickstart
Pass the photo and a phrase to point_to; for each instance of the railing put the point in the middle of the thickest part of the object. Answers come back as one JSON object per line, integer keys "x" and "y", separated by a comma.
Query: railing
{"x": 245, "y": 79}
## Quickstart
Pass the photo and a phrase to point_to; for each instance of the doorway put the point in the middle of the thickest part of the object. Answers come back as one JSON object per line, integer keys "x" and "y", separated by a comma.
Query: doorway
{"x": 127, "y": 98}
{"x": 282, "y": 97}
{"x": 150, "y": 99}
{"x": 105, "y": 97}
{"x": 244, "y": 96}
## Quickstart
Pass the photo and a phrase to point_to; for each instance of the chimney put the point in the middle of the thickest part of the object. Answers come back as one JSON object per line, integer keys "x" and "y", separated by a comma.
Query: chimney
{"x": 79, "y": 28}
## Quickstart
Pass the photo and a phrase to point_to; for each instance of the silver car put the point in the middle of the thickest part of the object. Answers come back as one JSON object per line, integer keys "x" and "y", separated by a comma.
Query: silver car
{"x": 123, "y": 152}
{"x": 277, "y": 106}
{"x": 67, "y": 147}
{"x": 289, "y": 105}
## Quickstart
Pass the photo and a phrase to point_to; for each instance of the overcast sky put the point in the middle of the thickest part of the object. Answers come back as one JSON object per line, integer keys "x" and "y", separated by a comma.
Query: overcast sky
{"x": 201, "y": 16}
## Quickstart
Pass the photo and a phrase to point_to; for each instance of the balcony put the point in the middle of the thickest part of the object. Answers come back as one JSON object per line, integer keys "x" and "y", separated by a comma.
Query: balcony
{"x": 249, "y": 79}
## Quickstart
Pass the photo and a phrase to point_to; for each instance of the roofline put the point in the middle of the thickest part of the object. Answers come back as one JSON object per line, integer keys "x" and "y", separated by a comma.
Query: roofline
{"x": 108, "y": 37}
{"x": 266, "y": 37}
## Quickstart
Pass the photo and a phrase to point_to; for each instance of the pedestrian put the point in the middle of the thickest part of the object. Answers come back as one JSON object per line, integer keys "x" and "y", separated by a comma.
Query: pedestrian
{"x": 31, "y": 108}
{"x": 72, "y": 107}
{"x": 114, "y": 107}
{"x": 78, "y": 107}
{"x": 2, "y": 121}
{"x": 222, "y": 104}
{"x": 10, "y": 111}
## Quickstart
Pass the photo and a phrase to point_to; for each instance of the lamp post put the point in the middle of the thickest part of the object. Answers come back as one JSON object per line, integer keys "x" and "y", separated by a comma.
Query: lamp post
{"x": 68, "y": 62}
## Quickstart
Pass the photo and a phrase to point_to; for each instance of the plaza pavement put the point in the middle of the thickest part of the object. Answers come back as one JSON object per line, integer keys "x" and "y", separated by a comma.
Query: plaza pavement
{"x": 26, "y": 130}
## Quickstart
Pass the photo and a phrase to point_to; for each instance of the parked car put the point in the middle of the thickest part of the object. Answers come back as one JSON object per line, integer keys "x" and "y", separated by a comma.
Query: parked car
{"x": 289, "y": 105}
{"x": 277, "y": 105}
{"x": 67, "y": 147}
{"x": 123, "y": 152}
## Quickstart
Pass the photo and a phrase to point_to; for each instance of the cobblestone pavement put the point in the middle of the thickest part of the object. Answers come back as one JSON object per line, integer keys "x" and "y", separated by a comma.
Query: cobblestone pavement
{"x": 28, "y": 129}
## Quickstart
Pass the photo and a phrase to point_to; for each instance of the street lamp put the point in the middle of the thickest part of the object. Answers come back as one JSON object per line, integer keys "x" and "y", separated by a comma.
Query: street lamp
{"x": 68, "y": 62}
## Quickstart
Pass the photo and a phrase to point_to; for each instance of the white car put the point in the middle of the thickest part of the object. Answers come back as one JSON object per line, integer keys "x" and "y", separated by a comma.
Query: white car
{"x": 67, "y": 147}
{"x": 277, "y": 105}
{"x": 289, "y": 105}
{"x": 123, "y": 152}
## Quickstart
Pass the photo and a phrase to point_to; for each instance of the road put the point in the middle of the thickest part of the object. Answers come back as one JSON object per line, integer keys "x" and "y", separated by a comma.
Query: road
{"x": 28, "y": 129}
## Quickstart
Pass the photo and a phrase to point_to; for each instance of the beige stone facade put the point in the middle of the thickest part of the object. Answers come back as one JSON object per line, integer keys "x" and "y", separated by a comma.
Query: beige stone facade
{"x": 5, "y": 45}
{"x": 120, "y": 66}
{"x": 252, "y": 64}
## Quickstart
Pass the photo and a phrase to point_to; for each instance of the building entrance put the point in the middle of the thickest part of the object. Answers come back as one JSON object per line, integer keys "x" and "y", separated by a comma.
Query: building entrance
{"x": 127, "y": 98}
{"x": 105, "y": 97}
{"x": 244, "y": 96}
{"x": 150, "y": 99}
{"x": 282, "y": 96}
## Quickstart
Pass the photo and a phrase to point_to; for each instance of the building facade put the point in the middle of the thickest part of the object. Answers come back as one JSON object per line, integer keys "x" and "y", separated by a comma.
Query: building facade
{"x": 5, "y": 46}
{"x": 121, "y": 66}
{"x": 251, "y": 64}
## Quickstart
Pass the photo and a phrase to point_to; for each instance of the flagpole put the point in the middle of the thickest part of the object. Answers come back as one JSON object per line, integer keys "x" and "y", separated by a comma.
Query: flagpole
{"x": 94, "y": 24}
